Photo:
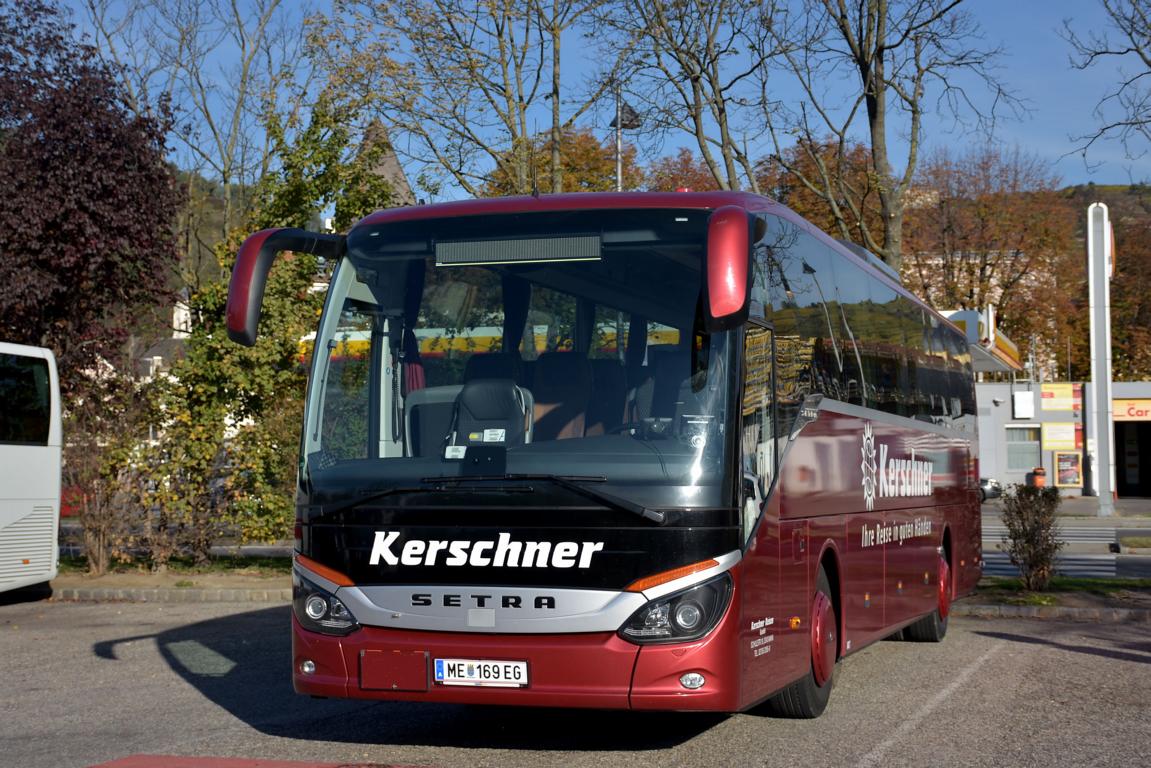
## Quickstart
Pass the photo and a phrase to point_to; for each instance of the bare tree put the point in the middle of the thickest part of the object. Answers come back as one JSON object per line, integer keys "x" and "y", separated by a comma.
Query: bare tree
{"x": 896, "y": 56}
{"x": 222, "y": 65}
{"x": 692, "y": 66}
{"x": 462, "y": 85}
{"x": 1130, "y": 44}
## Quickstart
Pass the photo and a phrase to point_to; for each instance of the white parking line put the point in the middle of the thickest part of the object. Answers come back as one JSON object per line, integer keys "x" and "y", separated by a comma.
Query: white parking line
{"x": 875, "y": 756}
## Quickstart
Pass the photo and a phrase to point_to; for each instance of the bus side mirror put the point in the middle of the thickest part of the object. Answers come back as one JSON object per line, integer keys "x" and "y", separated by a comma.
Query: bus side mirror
{"x": 727, "y": 273}
{"x": 250, "y": 275}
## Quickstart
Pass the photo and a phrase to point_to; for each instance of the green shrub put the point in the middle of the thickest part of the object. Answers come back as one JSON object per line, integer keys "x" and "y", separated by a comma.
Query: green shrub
{"x": 1032, "y": 537}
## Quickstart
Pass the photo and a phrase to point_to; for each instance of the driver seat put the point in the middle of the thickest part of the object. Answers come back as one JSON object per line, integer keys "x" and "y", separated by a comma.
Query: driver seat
{"x": 490, "y": 412}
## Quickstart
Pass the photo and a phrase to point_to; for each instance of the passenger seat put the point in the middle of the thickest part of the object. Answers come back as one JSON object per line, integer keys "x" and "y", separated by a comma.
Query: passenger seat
{"x": 561, "y": 388}
{"x": 605, "y": 412}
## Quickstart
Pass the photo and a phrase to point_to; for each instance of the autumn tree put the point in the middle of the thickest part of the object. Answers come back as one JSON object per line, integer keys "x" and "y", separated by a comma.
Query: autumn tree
{"x": 991, "y": 227}
{"x": 1129, "y": 208}
{"x": 844, "y": 170}
{"x": 106, "y": 434}
{"x": 1124, "y": 112}
{"x": 680, "y": 171}
{"x": 86, "y": 247}
{"x": 1131, "y": 288}
{"x": 586, "y": 165}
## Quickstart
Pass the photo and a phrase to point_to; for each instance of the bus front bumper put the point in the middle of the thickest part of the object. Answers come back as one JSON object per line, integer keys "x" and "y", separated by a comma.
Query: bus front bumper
{"x": 597, "y": 670}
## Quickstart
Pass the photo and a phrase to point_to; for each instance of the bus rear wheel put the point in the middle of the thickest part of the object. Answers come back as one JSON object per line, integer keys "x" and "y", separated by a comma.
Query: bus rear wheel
{"x": 933, "y": 627}
{"x": 808, "y": 697}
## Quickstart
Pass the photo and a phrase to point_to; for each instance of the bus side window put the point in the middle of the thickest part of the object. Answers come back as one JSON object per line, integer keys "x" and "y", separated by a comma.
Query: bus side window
{"x": 25, "y": 393}
{"x": 808, "y": 340}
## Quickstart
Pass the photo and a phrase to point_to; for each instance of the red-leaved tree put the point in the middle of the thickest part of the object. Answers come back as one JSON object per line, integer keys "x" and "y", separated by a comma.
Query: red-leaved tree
{"x": 86, "y": 218}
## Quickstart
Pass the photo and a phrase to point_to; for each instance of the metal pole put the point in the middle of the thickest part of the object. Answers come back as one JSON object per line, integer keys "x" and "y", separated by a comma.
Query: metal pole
{"x": 1099, "y": 293}
{"x": 618, "y": 138}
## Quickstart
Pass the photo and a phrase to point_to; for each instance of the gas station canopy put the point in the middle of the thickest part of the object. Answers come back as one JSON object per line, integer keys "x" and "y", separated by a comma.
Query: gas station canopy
{"x": 991, "y": 351}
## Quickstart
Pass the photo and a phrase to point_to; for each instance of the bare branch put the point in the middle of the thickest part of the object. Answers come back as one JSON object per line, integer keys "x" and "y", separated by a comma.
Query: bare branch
{"x": 1130, "y": 22}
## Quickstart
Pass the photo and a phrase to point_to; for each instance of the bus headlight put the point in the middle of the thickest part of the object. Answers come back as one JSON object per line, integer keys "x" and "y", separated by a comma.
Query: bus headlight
{"x": 319, "y": 610}
{"x": 685, "y": 615}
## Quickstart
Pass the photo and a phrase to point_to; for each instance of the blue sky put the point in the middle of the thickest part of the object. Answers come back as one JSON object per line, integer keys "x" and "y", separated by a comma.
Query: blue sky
{"x": 1062, "y": 99}
{"x": 1035, "y": 66}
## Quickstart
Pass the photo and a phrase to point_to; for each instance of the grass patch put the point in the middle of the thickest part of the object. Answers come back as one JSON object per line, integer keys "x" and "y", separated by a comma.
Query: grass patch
{"x": 240, "y": 566}
{"x": 1135, "y": 541}
{"x": 1104, "y": 587}
{"x": 1031, "y": 598}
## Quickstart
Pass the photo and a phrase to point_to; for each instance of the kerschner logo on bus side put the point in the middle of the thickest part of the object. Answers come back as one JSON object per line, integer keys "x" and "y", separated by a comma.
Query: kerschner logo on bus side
{"x": 891, "y": 476}
{"x": 502, "y": 552}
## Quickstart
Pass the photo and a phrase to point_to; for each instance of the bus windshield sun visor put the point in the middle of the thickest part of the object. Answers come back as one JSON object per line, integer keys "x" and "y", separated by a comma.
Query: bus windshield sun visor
{"x": 573, "y": 483}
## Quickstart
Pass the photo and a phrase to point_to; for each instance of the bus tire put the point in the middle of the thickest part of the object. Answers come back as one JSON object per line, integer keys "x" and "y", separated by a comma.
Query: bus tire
{"x": 932, "y": 628}
{"x": 808, "y": 697}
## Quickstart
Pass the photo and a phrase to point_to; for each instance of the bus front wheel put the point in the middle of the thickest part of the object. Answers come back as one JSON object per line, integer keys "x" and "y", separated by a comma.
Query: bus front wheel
{"x": 808, "y": 697}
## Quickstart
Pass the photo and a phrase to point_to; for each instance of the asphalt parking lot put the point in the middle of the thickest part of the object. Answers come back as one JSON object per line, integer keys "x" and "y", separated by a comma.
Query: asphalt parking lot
{"x": 94, "y": 682}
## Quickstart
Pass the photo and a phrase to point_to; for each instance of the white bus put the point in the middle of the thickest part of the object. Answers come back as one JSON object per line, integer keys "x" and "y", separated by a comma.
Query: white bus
{"x": 30, "y": 453}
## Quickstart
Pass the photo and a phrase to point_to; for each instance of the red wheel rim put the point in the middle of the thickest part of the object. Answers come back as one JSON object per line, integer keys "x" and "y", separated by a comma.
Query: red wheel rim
{"x": 823, "y": 638}
{"x": 944, "y": 588}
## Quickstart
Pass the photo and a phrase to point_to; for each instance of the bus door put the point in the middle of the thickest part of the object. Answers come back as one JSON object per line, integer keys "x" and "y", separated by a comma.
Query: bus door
{"x": 760, "y": 526}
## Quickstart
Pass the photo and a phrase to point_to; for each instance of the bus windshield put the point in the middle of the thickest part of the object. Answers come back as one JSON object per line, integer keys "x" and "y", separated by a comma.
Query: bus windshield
{"x": 566, "y": 345}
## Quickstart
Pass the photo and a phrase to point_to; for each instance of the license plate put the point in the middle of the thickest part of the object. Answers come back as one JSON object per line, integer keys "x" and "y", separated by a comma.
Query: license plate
{"x": 495, "y": 674}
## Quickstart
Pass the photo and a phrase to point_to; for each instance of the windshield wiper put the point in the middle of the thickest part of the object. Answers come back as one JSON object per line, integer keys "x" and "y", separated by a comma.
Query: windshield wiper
{"x": 573, "y": 483}
{"x": 375, "y": 496}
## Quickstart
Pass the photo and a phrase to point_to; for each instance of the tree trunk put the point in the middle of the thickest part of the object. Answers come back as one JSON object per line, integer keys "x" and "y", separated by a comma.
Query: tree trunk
{"x": 96, "y": 549}
{"x": 557, "y": 165}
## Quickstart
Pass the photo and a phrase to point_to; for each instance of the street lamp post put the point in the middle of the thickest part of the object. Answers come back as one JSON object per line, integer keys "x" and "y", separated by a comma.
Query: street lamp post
{"x": 625, "y": 117}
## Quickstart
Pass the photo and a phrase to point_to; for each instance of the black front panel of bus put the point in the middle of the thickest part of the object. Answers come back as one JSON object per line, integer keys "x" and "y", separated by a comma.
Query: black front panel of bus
{"x": 516, "y": 553}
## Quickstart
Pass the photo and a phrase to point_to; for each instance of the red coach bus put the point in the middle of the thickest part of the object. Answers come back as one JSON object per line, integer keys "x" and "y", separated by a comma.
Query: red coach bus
{"x": 709, "y": 453}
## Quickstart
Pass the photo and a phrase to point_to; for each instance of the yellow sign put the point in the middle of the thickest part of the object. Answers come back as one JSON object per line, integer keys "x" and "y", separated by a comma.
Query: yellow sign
{"x": 1131, "y": 410}
{"x": 1059, "y": 436}
{"x": 1058, "y": 397}
{"x": 1008, "y": 351}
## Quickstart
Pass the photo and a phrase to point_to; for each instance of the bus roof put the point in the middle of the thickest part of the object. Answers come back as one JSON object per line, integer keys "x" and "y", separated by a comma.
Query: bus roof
{"x": 576, "y": 201}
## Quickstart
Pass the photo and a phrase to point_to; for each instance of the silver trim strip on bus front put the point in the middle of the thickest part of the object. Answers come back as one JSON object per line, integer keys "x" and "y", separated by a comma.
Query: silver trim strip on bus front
{"x": 509, "y": 610}
{"x": 505, "y": 610}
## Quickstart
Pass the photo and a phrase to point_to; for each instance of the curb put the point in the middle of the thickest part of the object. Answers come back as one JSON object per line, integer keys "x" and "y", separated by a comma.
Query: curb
{"x": 1064, "y": 613}
{"x": 178, "y": 595}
